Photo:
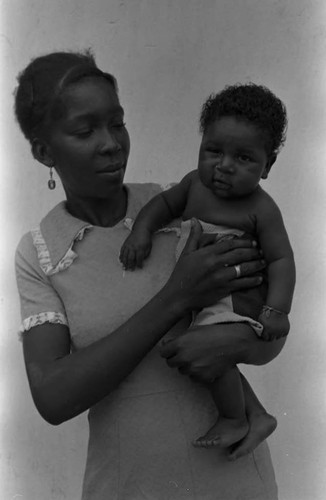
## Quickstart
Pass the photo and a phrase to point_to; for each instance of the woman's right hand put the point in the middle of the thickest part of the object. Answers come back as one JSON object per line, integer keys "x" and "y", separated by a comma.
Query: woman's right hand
{"x": 206, "y": 274}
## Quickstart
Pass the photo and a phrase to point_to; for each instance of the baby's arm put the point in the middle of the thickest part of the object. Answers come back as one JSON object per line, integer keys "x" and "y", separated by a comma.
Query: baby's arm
{"x": 158, "y": 212}
{"x": 278, "y": 254}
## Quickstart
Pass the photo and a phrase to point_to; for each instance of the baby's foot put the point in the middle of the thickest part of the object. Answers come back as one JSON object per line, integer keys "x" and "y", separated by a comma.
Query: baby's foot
{"x": 261, "y": 426}
{"x": 224, "y": 433}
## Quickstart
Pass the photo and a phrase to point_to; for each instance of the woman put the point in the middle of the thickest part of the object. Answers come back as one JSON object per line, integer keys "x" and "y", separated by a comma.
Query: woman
{"x": 91, "y": 330}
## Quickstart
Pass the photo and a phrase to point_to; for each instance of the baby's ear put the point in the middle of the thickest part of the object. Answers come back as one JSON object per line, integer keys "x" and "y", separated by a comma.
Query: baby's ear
{"x": 271, "y": 160}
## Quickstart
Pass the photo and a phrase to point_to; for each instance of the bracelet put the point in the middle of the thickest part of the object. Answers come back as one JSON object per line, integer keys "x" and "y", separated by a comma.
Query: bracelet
{"x": 268, "y": 310}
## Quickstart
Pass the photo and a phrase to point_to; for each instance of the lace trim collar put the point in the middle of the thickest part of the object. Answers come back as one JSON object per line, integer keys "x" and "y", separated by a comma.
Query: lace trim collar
{"x": 44, "y": 255}
{"x": 55, "y": 237}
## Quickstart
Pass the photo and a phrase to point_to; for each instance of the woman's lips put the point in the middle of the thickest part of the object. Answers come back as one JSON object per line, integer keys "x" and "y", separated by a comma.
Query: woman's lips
{"x": 111, "y": 169}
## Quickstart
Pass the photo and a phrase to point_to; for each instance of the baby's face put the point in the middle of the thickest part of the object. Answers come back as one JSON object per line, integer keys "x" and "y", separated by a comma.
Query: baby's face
{"x": 232, "y": 157}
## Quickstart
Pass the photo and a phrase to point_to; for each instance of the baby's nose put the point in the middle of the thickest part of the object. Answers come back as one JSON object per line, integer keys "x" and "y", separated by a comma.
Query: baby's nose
{"x": 225, "y": 165}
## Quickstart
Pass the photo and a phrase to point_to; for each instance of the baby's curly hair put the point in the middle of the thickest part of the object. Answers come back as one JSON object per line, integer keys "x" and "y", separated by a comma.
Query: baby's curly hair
{"x": 43, "y": 80}
{"x": 253, "y": 103}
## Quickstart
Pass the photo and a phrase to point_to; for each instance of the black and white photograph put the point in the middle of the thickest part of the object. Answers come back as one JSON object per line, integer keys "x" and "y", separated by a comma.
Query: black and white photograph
{"x": 163, "y": 255}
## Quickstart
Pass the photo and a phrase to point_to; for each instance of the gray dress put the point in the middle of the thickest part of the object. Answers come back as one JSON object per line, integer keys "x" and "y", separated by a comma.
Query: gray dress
{"x": 140, "y": 435}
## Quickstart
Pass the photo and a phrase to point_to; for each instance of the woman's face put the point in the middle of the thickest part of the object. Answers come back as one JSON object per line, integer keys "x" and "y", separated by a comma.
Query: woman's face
{"x": 89, "y": 142}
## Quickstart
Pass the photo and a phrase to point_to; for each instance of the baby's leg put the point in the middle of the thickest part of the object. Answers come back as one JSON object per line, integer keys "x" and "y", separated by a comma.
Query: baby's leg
{"x": 261, "y": 424}
{"x": 232, "y": 424}
{"x": 254, "y": 351}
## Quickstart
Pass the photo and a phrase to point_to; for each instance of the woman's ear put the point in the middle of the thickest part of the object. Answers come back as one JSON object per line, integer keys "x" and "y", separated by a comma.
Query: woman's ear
{"x": 42, "y": 152}
{"x": 271, "y": 160}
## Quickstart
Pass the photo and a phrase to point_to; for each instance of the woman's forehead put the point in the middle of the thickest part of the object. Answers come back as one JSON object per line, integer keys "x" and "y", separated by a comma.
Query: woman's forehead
{"x": 89, "y": 96}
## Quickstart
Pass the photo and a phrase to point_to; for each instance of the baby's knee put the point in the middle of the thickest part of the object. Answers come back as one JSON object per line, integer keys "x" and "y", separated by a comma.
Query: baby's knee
{"x": 262, "y": 351}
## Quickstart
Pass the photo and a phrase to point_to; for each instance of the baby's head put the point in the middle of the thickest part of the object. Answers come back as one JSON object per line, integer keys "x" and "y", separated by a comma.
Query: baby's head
{"x": 42, "y": 82}
{"x": 252, "y": 103}
{"x": 243, "y": 129}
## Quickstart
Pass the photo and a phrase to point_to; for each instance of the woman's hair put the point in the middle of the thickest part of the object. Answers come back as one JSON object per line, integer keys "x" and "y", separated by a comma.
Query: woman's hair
{"x": 250, "y": 102}
{"x": 43, "y": 81}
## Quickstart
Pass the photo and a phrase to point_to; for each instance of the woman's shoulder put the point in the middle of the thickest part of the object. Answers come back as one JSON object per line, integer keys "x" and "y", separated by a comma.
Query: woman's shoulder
{"x": 25, "y": 248}
{"x": 26, "y": 260}
{"x": 26, "y": 244}
{"x": 53, "y": 233}
{"x": 144, "y": 189}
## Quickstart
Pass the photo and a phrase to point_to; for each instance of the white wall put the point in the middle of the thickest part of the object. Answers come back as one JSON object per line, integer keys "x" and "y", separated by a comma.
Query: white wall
{"x": 168, "y": 56}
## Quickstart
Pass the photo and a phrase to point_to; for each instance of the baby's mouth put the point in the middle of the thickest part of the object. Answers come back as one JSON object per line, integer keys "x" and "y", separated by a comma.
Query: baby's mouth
{"x": 221, "y": 184}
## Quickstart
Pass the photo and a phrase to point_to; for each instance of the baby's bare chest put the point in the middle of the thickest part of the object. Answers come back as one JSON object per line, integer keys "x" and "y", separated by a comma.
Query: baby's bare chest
{"x": 238, "y": 213}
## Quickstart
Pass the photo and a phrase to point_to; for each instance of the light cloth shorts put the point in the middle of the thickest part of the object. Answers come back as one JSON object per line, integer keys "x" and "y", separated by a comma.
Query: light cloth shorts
{"x": 226, "y": 310}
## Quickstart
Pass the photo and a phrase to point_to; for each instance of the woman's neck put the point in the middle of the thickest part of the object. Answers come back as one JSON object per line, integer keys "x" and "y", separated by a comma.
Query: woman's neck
{"x": 106, "y": 212}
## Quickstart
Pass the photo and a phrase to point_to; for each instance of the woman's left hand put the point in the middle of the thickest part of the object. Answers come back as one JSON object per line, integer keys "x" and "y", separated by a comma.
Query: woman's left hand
{"x": 203, "y": 354}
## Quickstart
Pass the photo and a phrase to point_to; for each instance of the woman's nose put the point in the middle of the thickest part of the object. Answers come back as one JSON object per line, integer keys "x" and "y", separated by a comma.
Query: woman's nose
{"x": 109, "y": 143}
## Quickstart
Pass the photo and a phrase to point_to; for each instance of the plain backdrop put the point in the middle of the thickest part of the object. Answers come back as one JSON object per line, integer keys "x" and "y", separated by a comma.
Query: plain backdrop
{"x": 168, "y": 56}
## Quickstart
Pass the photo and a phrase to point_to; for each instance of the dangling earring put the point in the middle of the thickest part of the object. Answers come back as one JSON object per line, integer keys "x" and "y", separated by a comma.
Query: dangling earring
{"x": 51, "y": 181}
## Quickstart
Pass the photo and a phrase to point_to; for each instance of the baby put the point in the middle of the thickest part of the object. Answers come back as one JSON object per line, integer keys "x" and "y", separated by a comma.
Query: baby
{"x": 243, "y": 128}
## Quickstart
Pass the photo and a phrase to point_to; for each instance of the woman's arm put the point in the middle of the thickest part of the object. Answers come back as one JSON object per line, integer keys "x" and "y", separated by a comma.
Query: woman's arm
{"x": 204, "y": 354}
{"x": 65, "y": 384}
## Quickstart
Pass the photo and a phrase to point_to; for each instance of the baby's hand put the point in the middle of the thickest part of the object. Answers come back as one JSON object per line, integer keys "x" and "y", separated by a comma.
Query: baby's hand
{"x": 135, "y": 250}
{"x": 276, "y": 324}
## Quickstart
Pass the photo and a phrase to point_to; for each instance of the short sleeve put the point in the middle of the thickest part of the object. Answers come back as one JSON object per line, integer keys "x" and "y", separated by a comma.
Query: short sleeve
{"x": 39, "y": 302}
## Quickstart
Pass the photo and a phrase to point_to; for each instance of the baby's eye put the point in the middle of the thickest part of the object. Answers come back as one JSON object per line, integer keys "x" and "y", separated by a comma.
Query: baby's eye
{"x": 83, "y": 134}
{"x": 244, "y": 158}
{"x": 215, "y": 152}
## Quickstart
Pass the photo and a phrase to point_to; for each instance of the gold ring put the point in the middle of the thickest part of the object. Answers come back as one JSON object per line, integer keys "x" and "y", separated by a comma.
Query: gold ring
{"x": 237, "y": 270}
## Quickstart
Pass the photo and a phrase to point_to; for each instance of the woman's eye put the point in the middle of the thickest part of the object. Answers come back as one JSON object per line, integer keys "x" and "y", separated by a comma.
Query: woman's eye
{"x": 119, "y": 125}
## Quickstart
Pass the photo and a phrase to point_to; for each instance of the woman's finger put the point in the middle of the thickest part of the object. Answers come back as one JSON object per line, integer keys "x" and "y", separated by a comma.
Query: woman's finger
{"x": 207, "y": 239}
{"x": 239, "y": 256}
{"x": 247, "y": 282}
{"x": 246, "y": 268}
{"x": 227, "y": 246}
{"x": 168, "y": 348}
{"x": 193, "y": 241}
{"x": 175, "y": 362}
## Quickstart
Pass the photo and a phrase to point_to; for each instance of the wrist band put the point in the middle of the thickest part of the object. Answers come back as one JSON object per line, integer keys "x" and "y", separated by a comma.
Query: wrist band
{"x": 268, "y": 310}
